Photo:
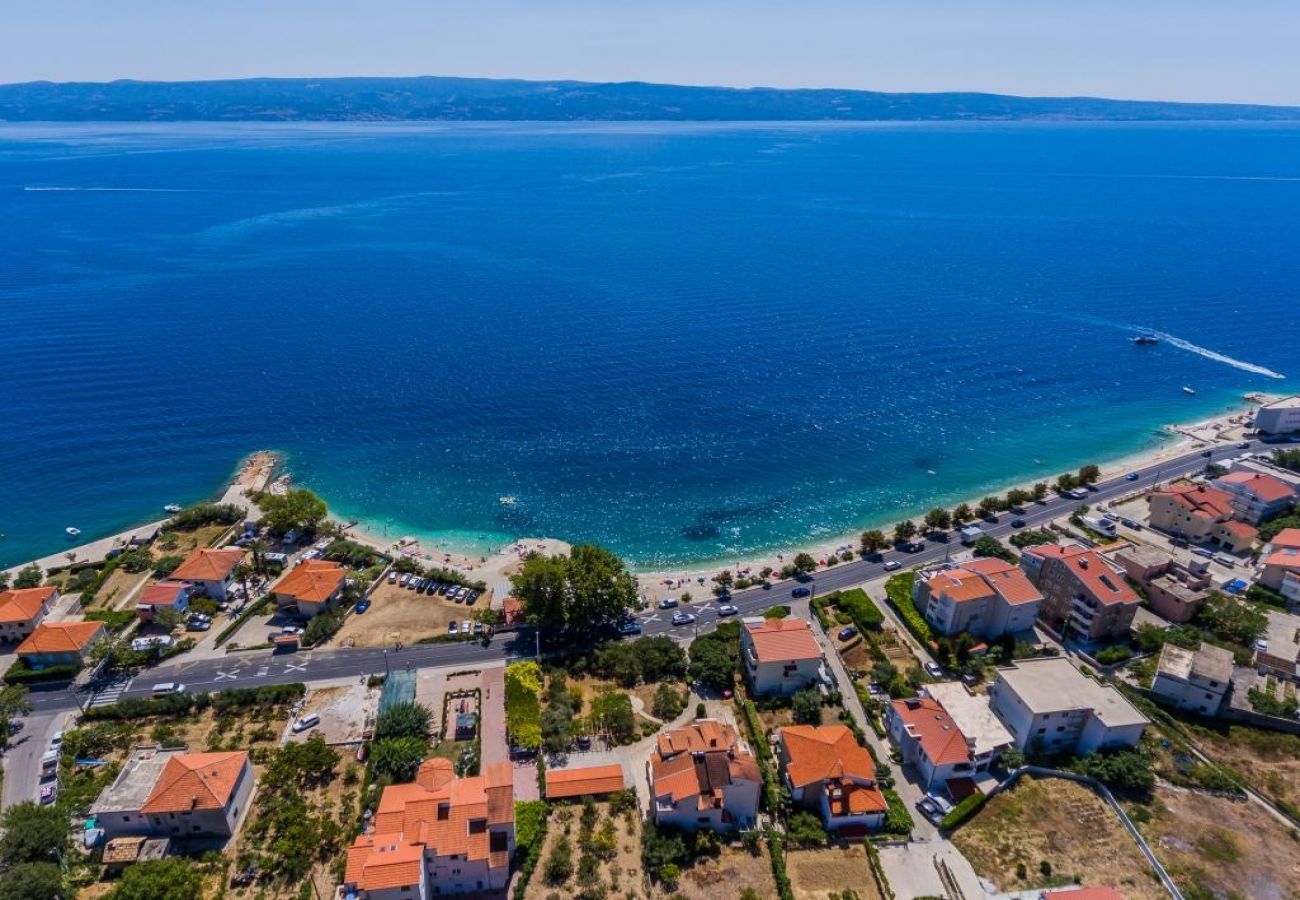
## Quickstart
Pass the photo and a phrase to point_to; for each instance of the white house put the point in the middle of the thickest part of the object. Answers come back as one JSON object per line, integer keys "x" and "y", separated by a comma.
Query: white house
{"x": 1194, "y": 680}
{"x": 781, "y": 656}
{"x": 1050, "y": 706}
{"x": 929, "y": 739}
{"x": 210, "y": 571}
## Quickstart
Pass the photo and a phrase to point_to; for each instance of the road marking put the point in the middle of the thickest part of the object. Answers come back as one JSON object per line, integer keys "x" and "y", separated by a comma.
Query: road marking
{"x": 295, "y": 667}
{"x": 262, "y": 670}
{"x": 224, "y": 676}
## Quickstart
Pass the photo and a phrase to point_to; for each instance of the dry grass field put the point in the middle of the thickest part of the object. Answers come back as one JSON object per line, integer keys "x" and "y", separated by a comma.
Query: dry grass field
{"x": 818, "y": 874}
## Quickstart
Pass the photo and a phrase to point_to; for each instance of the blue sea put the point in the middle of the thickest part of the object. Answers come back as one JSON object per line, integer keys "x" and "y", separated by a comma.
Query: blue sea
{"x": 686, "y": 342}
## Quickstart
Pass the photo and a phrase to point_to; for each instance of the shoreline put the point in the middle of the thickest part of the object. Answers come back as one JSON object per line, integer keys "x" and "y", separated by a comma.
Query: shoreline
{"x": 263, "y": 470}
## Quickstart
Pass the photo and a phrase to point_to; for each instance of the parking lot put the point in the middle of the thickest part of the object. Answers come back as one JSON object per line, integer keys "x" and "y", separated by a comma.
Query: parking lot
{"x": 398, "y": 614}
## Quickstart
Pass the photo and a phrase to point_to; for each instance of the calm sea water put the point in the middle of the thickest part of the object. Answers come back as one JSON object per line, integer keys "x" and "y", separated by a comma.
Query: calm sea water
{"x": 685, "y": 342}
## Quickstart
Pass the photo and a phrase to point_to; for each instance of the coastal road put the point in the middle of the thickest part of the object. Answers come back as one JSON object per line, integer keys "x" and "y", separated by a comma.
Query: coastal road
{"x": 256, "y": 668}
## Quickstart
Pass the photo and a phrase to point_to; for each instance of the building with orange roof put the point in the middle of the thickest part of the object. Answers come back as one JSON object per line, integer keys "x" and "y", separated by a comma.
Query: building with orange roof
{"x": 1280, "y": 564}
{"x": 586, "y": 781}
{"x": 987, "y": 597}
{"x": 22, "y": 609}
{"x": 1199, "y": 513}
{"x": 781, "y": 656}
{"x": 829, "y": 772}
{"x": 310, "y": 587}
{"x": 1256, "y": 496}
{"x": 439, "y": 835}
{"x": 162, "y": 595}
{"x": 211, "y": 572}
{"x": 703, "y": 776}
{"x": 1082, "y": 595}
{"x": 928, "y": 738}
{"x": 512, "y": 612}
{"x": 59, "y": 643}
{"x": 177, "y": 795}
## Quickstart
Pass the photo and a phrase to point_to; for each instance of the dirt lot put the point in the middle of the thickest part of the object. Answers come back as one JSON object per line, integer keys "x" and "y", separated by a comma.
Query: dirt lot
{"x": 1269, "y": 760}
{"x": 397, "y": 614}
{"x": 118, "y": 586}
{"x": 1217, "y": 847}
{"x": 733, "y": 871}
{"x": 1062, "y": 824}
{"x": 343, "y": 713}
{"x": 818, "y": 874}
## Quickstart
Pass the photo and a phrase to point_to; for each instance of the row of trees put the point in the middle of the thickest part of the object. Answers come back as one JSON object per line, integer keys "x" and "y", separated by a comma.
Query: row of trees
{"x": 939, "y": 519}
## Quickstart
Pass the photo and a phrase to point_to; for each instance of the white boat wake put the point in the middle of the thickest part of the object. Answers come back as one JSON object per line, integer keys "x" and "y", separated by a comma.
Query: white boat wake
{"x": 1217, "y": 357}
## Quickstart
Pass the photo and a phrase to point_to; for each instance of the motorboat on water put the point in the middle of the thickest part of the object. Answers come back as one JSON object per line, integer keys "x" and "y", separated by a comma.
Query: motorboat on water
{"x": 172, "y": 508}
{"x": 72, "y": 532}
{"x": 1188, "y": 390}
{"x": 1143, "y": 340}
{"x": 508, "y": 500}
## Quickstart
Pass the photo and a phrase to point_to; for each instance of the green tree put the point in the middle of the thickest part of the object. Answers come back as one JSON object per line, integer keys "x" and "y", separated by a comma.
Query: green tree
{"x": 406, "y": 719}
{"x": 962, "y": 514}
{"x": 398, "y": 757}
{"x": 805, "y": 830}
{"x": 987, "y": 545}
{"x": 14, "y": 703}
{"x": 165, "y": 565}
{"x": 1066, "y": 482}
{"x": 1017, "y": 497}
{"x": 32, "y": 833}
{"x": 938, "y": 519}
{"x": 714, "y": 656}
{"x": 32, "y": 881}
{"x": 136, "y": 561}
{"x": 804, "y": 563}
{"x": 667, "y": 703}
{"x": 873, "y": 541}
{"x": 29, "y": 576}
{"x": 904, "y": 531}
{"x": 611, "y": 712}
{"x": 159, "y": 879}
{"x": 557, "y": 727}
{"x": 558, "y": 867}
{"x": 806, "y": 707}
{"x": 1089, "y": 474}
{"x": 587, "y": 589}
{"x": 989, "y": 505}
{"x": 1039, "y": 490}
{"x": 298, "y": 508}
{"x": 1231, "y": 619}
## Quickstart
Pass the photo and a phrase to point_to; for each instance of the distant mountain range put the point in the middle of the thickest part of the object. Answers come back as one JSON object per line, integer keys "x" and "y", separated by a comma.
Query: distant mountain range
{"x": 483, "y": 99}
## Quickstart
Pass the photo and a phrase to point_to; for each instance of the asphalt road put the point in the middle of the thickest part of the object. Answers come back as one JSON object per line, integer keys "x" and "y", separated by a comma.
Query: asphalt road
{"x": 257, "y": 668}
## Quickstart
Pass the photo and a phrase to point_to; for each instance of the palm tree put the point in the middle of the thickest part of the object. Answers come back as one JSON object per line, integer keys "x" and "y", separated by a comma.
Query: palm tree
{"x": 258, "y": 547}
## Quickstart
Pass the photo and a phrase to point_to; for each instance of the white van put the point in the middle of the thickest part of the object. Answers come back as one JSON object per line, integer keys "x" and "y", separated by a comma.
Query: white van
{"x": 49, "y": 763}
{"x": 168, "y": 687}
{"x": 310, "y": 720}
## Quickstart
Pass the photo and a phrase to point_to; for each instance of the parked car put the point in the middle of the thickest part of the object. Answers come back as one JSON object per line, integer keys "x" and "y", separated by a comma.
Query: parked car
{"x": 893, "y": 565}
{"x": 1201, "y": 551}
{"x": 584, "y": 742}
{"x": 934, "y": 670}
{"x": 846, "y": 633}
{"x": 392, "y": 577}
{"x": 683, "y": 619}
{"x": 47, "y": 794}
{"x": 478, "y": 628}
{"x": 362, "y": 606}
{"x": 291, "y": 629}
{"x": 453, "y": 627}
{"x": 311, "y": 720}
{"x": 668, "y": 603}
{"x": 406, "y": 579}
{"x": 927, "y": 808}
{"x": 1132, "y": 476}
{"x": 630, "y": 628}
{"x": 1129, "y": 523}
{"x": 727, "y": 609}
{"x": 801, "y": 592}
{"x": 56, "y": 740}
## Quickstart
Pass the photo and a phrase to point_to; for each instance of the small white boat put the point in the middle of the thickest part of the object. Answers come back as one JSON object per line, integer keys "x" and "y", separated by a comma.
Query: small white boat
{"x": 72, "y": 532}
{"x": 508, "y": 500}
{"x": 1188, "y": 390}
{"x": 172, "y": 508}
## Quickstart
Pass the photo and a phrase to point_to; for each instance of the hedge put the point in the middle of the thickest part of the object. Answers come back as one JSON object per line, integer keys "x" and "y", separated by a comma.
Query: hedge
{"x": 523, "y": 704}
{"x": 21, "y": 673}
{"x": 899, "y": 591}
{"x": 865, "y": 614}
{"x": 777, "y": 853}
{"x": 530, "y": 830}
{"x": 897, "y": 819}
{"x": 963, "y": 811}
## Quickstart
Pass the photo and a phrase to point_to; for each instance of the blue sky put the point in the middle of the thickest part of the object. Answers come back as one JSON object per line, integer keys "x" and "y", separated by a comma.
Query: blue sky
{"x": 1160, "y": 49}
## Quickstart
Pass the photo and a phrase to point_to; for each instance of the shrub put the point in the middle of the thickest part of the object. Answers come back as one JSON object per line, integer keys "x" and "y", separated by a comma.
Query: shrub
{"x": 805, "y": 830}
{"x": 408, "y": 719}
{"x": 204, "y": 514}
{"x": 806, "y": 706}
{"x": 1112, "y": 655}
{"x": 964, "y": 810}
{"x": 21, "y": 673}
{"x": 897, "y": 819}
{"x": 860, "y": 609}
{"x": 523, "y": 704}
{"x": 776, "y": 612}
{"x": 899, "y": 590}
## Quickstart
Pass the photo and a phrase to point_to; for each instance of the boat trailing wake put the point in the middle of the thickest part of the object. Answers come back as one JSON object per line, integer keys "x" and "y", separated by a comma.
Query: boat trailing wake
{"x": 1217, "y": 357}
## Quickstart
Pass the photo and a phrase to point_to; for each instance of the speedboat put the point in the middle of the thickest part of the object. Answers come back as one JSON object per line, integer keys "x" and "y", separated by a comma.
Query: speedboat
{"x": 1143, "y": 340}
{"x": 508, "y": 500}
{"x": 72, "y": 532}
{"x": 172, "y": 508}
{"x": 1188, "y": 390}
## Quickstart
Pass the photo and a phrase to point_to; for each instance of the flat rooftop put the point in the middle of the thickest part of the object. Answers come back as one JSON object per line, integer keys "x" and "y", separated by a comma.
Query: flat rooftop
{"x": 1209, "y": 661}
{"x": 972, "y": 715}
{"x": 134, "y": 783}
{"x": 1053, "y": 684}
{"x": 1283, "y": 634}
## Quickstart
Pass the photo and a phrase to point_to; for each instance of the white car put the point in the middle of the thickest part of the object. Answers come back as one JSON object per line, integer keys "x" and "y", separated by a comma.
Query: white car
{"x": 683, "y": 619}
{"x": 308, "y": 721}
{"x": 933, "y": 670}
{"x": 727, "y": 609}
{"x": 667, "y": 603}
{"x": 893, "y": 565}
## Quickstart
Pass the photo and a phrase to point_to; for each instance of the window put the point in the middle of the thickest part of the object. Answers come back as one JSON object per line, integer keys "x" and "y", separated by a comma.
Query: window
{"x": 1042, "y": 731}
{"x": 477, "y": 826}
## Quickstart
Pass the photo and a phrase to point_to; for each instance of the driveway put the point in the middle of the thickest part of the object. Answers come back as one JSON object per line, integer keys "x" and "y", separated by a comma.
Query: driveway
{"x": 22, "y": 761}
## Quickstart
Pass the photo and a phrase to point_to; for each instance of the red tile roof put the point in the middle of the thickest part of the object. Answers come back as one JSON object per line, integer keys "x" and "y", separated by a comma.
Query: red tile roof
{"x": 1287, "y": 537}
{"x": 959, "y": 585}
{"x": 1009, "y": 581}
{"x": 940, "y": 738}
{"x": 60, "y": 637}
{"x": 1264, "y": 486}
{"x": 512, "y": 611}
{"x": 1201, "y": 501}
{"x": 698, "y": 761}
{"x": 1240, "y": 529}
{"x": 313, "y": 581}
{"x": 1286, "y": 557}
{"x": 208, "y": 565}
{"x": 581, "y": 781}
{"x": 22, "y": 604}
{"x": 434, "y": 814}
{"x": 196, "y": 781}
{"x": 818, "y": 753}
{"x": 1090, "y": 571}
{"x": 164, "y": 593}
{"x": 777, "y": 640}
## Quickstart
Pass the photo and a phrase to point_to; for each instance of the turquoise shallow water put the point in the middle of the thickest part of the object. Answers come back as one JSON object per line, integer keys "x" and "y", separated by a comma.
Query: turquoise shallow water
{"x": 685, "y": 342}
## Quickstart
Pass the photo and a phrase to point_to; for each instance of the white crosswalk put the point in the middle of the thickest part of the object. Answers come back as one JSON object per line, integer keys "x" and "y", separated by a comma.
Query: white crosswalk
{"x": 109, "y": 695}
